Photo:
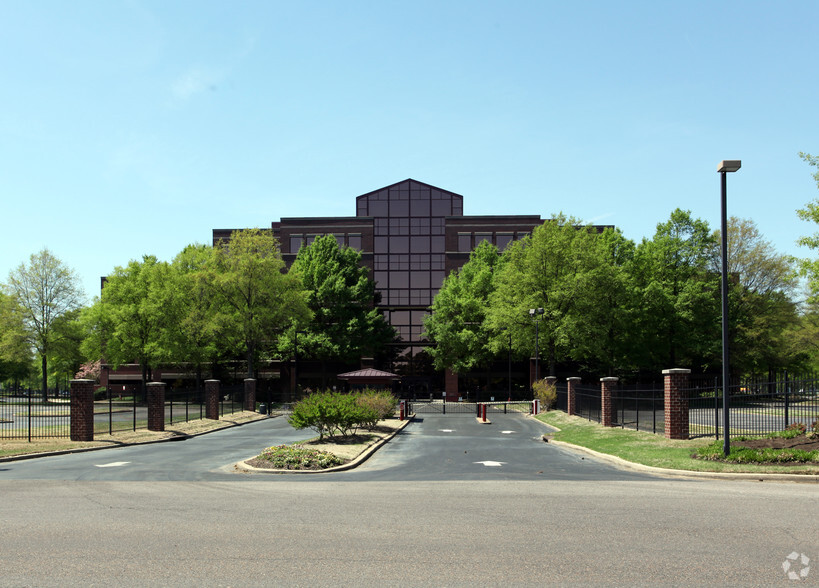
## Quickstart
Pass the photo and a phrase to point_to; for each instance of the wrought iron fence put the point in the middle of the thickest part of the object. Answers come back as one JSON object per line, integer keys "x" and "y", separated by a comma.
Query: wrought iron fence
{"x": 756, "y": 407}
{"x": 24, "y": 415}
{"x": 639, "y": 408}
{"x": 587, "y": 402}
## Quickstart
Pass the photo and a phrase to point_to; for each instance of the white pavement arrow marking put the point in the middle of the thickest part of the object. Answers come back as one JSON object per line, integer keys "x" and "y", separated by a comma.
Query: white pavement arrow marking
{"x": 113, "y": 464}
{"x": 492, "y": 464}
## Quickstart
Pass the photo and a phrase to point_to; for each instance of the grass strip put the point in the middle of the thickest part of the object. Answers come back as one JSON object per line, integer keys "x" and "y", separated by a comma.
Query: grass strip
{"x": 653, "y": 450}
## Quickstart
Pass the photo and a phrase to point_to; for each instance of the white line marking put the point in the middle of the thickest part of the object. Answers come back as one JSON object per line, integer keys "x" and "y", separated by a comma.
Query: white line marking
{"x": 446, "y": 430}
{"x": 492, "y": 464}
{"x": 506, "y": 432}
{"x": 113, "y": 464}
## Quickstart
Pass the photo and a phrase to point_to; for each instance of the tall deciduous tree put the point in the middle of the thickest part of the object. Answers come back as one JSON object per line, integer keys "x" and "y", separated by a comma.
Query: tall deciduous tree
{"x": 341, "y": 297}
{"x": 760, "y": 305}
{"x": 810, "y": 267}
{"x": 607, "y": 308}
{"x": 197, "y": 333}
{"x": 133, "y": 312}
{"x": 457, "y": 325}
{"x": 15, "y": 351}
{"x": 548, "y": 269}
{"x": 259, "y": 299}
{"x": 679, "y": 296}
{"x": 46, "y": 290}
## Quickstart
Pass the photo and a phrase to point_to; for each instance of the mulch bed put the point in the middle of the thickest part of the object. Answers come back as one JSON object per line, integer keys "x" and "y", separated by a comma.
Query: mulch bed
{"x": 801, "y": 442}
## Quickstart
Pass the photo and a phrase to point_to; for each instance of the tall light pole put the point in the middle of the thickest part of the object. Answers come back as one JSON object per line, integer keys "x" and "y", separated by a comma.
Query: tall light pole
{"x": 725, "y": 167}
{"x": 509, "y": 378}
{"x": 535, "y": 313}
{"x": 296, "y": 364}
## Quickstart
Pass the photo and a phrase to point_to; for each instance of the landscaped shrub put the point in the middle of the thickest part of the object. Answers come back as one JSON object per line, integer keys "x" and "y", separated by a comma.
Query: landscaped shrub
{"x": 378, "y": 405}
{"x": 336, "y": 413}
{"x": 546, "y": 393}
{"x": 285, "y": 457}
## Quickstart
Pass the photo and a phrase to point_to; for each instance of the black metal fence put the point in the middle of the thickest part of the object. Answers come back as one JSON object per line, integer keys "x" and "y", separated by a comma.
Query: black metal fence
{"x": 756, "y": 406}
{"x": 587, "y": 402}
{"x": 640, "y": 408}
{"x": 24, "y": 416}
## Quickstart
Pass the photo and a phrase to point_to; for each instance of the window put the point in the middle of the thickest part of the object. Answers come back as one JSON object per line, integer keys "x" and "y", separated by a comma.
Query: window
{"x": 441, "y": 208}
{"x": 399, "y": 244}
{"x": 464, "y": 241}
{"x": 354, "y": 241}
{"x": 503, "y": 239}
{"x": 419, "y": 244}
{"x": 295, "y": 243}
{"x": 482, "y": 237}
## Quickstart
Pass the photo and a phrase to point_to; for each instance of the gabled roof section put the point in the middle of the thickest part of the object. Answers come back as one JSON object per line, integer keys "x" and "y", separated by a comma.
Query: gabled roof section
{"x": 367, "y": 373}
{"x": 409, "y": 184}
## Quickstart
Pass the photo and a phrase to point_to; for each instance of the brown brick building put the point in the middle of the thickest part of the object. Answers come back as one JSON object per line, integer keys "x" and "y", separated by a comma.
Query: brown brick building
{"x": 411, "y": 235}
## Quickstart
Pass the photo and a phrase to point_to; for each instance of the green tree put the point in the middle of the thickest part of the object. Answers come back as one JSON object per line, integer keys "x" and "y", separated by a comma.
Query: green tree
{"x": 340, "y": 295}
{"x": 810, "y": 267}
{"x": 15, "y": 350}
{"x": 198, "y": 336}
{"x": 457, "y": 325}
{"x": 678, "y": 295}
{"x": 132, "y": 315}
{"x": 46, "y": 290}
{"x": 761, "y": 308}
{"x": 258, "y": 299}
{"x": 607, "y": 308}
{"x": 550, "y": 270}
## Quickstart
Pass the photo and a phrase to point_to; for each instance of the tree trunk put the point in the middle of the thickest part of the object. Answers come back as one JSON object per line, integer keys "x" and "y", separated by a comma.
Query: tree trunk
{"x": 45, "y": 377}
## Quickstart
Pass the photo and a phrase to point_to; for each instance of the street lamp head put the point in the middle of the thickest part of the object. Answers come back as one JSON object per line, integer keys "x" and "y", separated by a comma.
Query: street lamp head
{"x": 535, "y": 311}
{"x": 729, "y": 165}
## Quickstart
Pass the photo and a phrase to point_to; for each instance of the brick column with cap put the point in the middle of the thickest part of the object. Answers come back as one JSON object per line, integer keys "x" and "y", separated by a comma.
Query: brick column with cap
{"x": 571, "y": 401}
{"x": 156, "y": 406}
{"x": 82, "y": 410}
{"x": 212, "y": 399}
{"x": 250, "y": 395}
{"x": 608, "y": 388}
{"x": 676, "y": 403}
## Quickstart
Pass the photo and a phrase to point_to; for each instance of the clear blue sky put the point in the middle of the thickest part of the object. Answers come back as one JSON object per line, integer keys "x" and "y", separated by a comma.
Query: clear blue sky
{"x": 132, "y": 127}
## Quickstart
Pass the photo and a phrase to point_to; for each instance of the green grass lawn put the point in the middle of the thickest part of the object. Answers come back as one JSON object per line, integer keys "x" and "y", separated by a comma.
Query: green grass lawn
{"x": 651, "y": 450}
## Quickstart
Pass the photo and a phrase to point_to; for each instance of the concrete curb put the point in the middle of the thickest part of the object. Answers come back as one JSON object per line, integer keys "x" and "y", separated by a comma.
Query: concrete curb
{"x": 670, "y": 473}
{"x": 244, "y": 467}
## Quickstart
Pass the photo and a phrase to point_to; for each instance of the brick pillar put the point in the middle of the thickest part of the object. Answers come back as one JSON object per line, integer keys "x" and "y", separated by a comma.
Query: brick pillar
{"x": 212, "y": 399}
{"x": 156, "y": 406}
{"x": 82, "y": 410}
{"x": 250, "y": 395}
{"x": 608, "y": 388}
{"x": 571, "y": 401}
{"x": 676, "y": 403}
{"x": 451, "y": 385}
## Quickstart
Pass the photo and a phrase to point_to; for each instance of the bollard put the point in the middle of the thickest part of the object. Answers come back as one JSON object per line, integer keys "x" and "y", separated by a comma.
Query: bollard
{"x": 402, "y": 410}
{"x": 483, "y": 410}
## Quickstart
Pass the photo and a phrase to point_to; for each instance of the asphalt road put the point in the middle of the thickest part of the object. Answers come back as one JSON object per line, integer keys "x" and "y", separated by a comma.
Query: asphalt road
{"x": 431, "y": 508}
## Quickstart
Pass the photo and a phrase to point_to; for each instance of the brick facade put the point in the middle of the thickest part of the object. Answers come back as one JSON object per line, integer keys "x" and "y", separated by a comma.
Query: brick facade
{"x": 676, "y": 403}
{"x": 82, "y": 410}
{"x": 571, "y": 402}
{"x": 212, "y": 399}
{"x": 156, "y": 406}
{"x": 608, "y": 389}
{"x": 250, "y": 395}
